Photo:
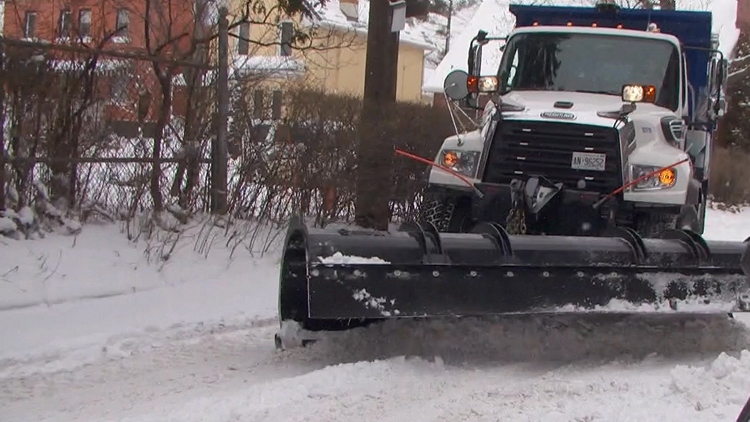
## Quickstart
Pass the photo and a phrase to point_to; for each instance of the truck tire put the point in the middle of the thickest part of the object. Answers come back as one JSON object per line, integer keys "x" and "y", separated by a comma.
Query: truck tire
{"x": 448, "y": 215}
{"x": 460, "y": 219}
{"x": 653, "y": 224}
{"x": 433, "y": 210}
{"x": 688, "y": 219}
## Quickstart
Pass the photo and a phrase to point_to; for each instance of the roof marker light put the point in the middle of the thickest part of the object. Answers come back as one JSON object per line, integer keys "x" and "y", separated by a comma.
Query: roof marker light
{"x": 570, "y": 23}
{"x": 594, "y": 24}
{"x": 619, "y": 26}
{"x": 535, "y": 23}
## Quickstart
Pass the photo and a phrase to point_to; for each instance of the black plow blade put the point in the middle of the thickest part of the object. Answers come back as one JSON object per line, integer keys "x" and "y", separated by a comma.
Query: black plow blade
{"x": 331, "y": 278}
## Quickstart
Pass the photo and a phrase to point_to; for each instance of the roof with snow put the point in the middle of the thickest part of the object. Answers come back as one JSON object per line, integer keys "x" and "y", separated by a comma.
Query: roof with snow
{"x": 331, "y": 15}
{"x": 494, "y": 17}
{"x": 724, "y": 23}
{"x": 268, "y": 66}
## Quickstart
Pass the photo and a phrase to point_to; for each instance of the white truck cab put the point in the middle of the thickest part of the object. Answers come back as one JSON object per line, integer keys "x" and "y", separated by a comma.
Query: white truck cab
{"x": 605, "y": 125}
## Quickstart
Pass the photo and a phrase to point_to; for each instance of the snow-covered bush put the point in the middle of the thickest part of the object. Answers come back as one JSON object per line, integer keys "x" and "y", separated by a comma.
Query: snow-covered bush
{"x": 305, "y": 161}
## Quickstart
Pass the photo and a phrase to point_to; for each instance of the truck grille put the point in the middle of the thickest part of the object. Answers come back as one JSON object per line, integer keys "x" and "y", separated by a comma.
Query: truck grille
{"x": 522, "y": 148}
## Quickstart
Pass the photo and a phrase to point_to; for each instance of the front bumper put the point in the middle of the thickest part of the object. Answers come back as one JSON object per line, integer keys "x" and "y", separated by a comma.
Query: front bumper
{"x": 569, "y": 212}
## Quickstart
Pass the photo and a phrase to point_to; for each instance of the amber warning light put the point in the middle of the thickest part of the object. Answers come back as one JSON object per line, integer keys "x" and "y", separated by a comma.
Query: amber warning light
{"x": 666, "y": 177}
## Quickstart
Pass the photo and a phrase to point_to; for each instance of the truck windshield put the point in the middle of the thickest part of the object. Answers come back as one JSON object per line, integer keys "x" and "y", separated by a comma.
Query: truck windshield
{"x": 594, "y": 63}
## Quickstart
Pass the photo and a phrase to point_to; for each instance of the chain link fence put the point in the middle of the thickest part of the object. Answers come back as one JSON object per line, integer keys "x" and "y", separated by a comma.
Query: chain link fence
{"x": 104, "y": 130}
{"x": 118, "y": 134}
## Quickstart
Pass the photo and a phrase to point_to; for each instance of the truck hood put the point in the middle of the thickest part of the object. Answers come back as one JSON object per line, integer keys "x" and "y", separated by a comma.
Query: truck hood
{"x": 584, "y": 109}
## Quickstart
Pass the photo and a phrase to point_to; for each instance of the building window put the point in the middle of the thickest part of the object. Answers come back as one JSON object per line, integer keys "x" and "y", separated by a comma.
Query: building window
{"x": 258, "y": 108}
{"x": 64, "y": 25}
{"x": 276, "y": 105}
{"x": 287, "y": 32}
{"x": 119, "y": 89}
{"x": 122, "y": 22}
{"x": 29, "y": 25}
{"x": 243, "y": 43}
{"x": 84, "y": 22}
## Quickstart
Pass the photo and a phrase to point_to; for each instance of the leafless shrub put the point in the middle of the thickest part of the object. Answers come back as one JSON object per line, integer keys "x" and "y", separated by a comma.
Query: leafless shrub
{"x": 305, "y": 161}
{"x": 730, "y": 176}
{"x": 50, "y": 108}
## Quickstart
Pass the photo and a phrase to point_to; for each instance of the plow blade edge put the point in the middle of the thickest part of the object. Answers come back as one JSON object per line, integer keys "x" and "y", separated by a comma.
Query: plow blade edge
{"x": 418, "y": 272}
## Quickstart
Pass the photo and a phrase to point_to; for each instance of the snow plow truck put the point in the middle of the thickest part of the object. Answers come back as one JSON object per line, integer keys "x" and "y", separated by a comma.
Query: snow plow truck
{"x": 585, "y": 183}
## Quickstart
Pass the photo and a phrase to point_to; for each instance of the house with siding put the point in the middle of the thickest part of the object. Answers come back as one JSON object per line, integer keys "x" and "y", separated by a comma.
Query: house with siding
{"x": 332, "y": 59}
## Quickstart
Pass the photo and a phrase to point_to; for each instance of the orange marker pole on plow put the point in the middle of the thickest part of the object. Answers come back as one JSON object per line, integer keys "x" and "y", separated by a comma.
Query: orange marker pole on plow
{"x": 441, "y": 167}
{"x": 637, "y": 180}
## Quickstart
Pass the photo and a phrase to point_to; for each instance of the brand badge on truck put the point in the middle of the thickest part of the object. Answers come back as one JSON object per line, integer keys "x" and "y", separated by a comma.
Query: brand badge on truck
{"x": 558, "y": 115}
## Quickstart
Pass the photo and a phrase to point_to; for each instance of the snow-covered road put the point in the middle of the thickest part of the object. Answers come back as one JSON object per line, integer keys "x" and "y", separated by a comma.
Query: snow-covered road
{"x": 455, "y": 372}
{"x": 193, "y": 341}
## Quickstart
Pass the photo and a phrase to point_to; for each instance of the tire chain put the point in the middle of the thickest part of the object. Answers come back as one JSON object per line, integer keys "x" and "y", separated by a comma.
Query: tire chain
{"x": 516, "y": 221}
{"x": 439, "y": 214}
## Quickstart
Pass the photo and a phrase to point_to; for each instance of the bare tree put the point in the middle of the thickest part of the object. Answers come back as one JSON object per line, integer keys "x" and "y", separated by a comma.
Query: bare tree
{"x": 165, "y": 33}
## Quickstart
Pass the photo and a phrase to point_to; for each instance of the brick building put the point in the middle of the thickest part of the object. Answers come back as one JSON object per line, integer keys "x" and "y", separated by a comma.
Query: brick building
{"x": 127, "y": 86}
{"x": 743, "y": 15}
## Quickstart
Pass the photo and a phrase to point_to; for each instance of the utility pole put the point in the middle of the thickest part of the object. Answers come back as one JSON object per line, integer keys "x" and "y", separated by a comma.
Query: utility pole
{"x": 667, "y": 4}
{"x": 448, "y": 29}
{"x": 374, "y": 150}
{"x": 219, "y": 152}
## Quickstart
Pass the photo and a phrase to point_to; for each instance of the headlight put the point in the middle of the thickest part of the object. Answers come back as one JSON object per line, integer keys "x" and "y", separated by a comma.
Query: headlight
{"x": 462, "y": 162}
{"x": 661, "y": 180}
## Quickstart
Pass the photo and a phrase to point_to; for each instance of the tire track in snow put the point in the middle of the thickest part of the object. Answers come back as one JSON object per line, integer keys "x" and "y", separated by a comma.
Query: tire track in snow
{"x": 413, "y": 389}
{"x": 464, "y": 370}
{"x": 152, "y": 375}
{"x": 121, "y": 345}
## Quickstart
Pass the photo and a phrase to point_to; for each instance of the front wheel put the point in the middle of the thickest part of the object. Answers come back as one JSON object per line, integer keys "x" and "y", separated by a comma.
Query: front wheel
{"x": 690, "y": 218}
{"x": 448, "y": 214}
{"x": 655, "y": 223}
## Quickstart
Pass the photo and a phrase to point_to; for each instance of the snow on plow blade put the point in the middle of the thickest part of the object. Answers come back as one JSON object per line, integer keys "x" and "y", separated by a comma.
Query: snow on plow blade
{"x": 422, "y": 273}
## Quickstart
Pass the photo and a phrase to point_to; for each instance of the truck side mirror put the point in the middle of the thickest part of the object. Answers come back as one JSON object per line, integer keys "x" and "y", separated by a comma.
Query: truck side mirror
{"x": 717, "y": 80}
{"x": 456, "y": 85}
{"x": 717, "y": 73}
{"x": 722, "y": 107}
{"x": 473, "y": 50}
{"x": 720, "y": 104}
{"x": 723, "y": 73}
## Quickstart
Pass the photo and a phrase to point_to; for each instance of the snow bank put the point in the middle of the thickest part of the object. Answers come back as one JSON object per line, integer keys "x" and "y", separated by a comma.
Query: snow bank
{"x": 431, "y": 389}
{"x": 717, "y": 391}
{"x": 101, "y": 262}
{"x": 97, "y": 288}
{"x": 725, "y": 225}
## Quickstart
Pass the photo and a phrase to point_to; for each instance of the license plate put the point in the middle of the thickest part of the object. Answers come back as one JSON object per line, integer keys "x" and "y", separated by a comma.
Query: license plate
{"x": 589, "y": 161}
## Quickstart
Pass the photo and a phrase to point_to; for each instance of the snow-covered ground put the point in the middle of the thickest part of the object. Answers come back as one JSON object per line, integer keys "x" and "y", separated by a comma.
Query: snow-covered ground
{"x": 97, "y": 328}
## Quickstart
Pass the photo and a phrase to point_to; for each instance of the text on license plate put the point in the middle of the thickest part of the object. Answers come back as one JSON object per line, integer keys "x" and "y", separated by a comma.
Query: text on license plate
{"x": 589, "y": 161}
